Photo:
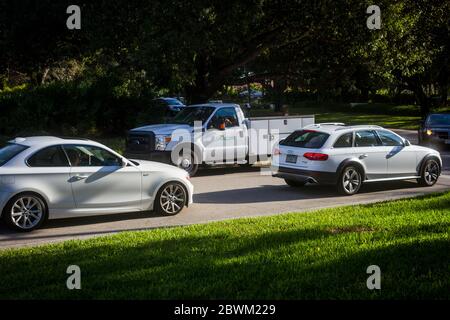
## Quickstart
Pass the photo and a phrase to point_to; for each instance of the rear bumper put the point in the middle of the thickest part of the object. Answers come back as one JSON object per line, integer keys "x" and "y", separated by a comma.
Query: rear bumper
{"x": 319, "y": 177}
{"x": 158, "y": 156}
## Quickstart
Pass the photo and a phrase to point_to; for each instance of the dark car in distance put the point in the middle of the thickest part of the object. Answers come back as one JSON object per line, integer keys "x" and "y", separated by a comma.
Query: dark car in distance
{"x": 435, "y": 130}
{"x": 171, "y": 105}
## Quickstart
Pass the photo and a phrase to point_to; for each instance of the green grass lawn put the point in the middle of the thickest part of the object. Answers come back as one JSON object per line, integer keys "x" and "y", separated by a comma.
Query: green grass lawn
{"x": 384, "y": 120}
{"x": 316, "y": 255}
{"x": 385, "y": 115}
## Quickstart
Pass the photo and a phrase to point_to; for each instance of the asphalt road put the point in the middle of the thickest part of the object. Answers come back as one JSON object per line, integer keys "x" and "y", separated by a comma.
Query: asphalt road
{"x": 225, "y": 194}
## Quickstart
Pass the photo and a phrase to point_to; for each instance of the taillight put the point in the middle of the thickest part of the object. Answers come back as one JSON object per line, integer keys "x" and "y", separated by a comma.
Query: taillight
{"x": 316, "y": 156}
{"x": 276, "y": 152}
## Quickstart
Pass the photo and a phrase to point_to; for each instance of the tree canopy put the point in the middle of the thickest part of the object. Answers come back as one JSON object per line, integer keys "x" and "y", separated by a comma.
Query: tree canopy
{"x": 196, "y": 47}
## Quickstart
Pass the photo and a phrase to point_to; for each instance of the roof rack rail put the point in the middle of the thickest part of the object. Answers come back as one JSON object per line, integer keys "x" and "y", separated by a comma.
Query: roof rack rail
{"x": 326, "y": 124}
{"x": 362, "y": 126}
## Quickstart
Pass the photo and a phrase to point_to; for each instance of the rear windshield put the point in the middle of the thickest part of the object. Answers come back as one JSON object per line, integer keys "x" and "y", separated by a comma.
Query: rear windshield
{"x": 10, "y": 151}
{"x": 306, "y": 139}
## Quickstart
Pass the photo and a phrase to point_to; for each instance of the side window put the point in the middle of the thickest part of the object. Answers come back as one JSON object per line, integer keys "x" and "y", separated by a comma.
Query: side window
{"x": 366, "y": 138}
{"x": 91, "y": 156}
{"x": 344, "y": 141}
{"x": 49, "y": 157}
{"x": 227, "y": 116}
{"x": 390, "y": 139}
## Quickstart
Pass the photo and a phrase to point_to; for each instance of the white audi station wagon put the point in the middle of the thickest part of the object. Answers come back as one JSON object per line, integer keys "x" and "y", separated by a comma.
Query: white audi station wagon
{"x": 50, "y": 177}
{"x": 348, "y": 156}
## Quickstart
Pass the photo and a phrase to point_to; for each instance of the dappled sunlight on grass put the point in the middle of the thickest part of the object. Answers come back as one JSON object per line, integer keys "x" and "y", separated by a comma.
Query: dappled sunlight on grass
{"x": 291, "y": 256}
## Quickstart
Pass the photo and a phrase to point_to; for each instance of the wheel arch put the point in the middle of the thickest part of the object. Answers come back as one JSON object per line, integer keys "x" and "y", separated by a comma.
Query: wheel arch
{"x": 35, "y": 192}
{"x": 163, "y": 182}
{"x": 198, "y": 150}
{"x": 353, "y": 162}
{"x": 425, "y": 159}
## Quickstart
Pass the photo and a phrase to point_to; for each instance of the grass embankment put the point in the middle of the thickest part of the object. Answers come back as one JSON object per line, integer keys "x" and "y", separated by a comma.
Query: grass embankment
{"x": 318, "y": 255}
{"x": 382, "y": 114}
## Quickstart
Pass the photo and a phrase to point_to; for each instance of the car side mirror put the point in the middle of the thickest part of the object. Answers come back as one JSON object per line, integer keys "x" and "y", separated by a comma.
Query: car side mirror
{"x": 407, "y": 143}
{"x": 281, "y": 141}
{"x": 124, "y": 163}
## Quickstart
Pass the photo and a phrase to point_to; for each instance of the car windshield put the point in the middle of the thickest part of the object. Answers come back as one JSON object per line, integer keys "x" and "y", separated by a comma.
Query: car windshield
{"x": 10, "y": 151}
{"x": 191, "y": 114}
{"x": 306, "y": 139}
{"x": 173, "y": 102}
{"x": 439, "y": 120}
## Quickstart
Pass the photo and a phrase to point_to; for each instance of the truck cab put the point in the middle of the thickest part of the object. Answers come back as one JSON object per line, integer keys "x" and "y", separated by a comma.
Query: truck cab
{"x": 212, "y": 133}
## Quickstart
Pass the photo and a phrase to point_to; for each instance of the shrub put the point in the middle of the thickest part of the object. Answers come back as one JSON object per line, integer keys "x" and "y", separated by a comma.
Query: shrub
{"x": 101, "y": 107}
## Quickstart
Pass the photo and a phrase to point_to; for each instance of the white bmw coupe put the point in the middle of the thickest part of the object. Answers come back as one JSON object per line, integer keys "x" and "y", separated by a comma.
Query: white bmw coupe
{"x": 49, "y": 178}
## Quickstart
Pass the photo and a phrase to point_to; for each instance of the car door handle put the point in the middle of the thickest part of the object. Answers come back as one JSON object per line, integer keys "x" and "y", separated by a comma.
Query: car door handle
{"x": 363, "y": 156}
{"x": 80, "y": 177}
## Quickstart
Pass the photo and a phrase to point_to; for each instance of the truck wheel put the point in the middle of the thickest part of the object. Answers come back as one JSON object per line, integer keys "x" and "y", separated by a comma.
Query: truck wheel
{"x": 349, "y": 181}
{"x": 188, "y": 161}
{"x": 429, "y": 174}
{"x": 294, "y": 183}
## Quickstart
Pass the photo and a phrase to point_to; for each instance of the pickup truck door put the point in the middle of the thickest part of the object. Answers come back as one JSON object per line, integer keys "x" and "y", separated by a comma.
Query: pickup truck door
{"x": 225, "y": 137}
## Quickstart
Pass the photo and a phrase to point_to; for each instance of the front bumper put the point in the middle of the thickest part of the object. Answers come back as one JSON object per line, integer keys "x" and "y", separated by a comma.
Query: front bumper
{"x": 158, "y": 156}
{"x": 438, "y": 137}
{"x": 191, "y": 194}
{"x": 300, "y": 175}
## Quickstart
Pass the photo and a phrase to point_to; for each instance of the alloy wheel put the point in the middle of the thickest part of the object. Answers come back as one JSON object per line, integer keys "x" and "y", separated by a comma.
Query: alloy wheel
{"x": 351, "y": 181}
{"x": 431, "y": 172}
{"x": 173, "y": 198}
{"x": 27, "y": 212}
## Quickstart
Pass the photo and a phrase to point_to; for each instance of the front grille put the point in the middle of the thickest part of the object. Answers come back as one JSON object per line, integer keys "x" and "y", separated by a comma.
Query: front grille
{"x": 442, "y": 134}
{"x": 140, "y": 142}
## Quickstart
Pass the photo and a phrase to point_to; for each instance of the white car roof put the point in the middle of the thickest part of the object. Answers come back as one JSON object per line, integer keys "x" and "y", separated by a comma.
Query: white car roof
{"x": 331, "y": 128}
{"x": 214, "y": 105}
{"x": 42, "y": 141}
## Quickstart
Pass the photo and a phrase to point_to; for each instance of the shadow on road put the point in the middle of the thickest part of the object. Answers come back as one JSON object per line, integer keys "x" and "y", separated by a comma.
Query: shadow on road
{"x": 81, "y": 221}
{"x": 223, "y": 170}
{"x": 272, "y": 193}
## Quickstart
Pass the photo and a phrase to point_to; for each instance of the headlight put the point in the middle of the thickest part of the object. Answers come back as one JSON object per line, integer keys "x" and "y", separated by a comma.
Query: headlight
{"x": 161, "y": 142}
{"x": 429, "y": 132}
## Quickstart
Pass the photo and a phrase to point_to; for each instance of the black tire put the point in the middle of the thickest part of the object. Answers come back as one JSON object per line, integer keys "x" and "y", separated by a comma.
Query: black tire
{"x": 25, "y": 221}
{"x": 193, "y": 161}
{"x": 294, "y": 183}
{"x": 429, "y": 173}
{"x": 163, "y": 204}
{"x": 350, "y": 181}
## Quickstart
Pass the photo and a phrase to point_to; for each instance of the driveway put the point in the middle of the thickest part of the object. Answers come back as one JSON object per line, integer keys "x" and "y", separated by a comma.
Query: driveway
{"x": 225, "y": 194}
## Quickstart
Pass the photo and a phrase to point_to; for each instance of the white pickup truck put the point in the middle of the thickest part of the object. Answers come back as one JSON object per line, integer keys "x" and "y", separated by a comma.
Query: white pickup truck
{"x": 213, "y": 133}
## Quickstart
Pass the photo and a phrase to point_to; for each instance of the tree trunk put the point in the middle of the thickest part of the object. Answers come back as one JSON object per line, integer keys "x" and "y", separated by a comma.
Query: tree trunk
{"x": 44, "y": 75}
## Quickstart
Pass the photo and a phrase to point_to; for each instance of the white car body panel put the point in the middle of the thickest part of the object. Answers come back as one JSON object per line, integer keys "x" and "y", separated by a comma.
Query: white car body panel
{"x": 104, "y": 190}
{"x": 379, "y": 162}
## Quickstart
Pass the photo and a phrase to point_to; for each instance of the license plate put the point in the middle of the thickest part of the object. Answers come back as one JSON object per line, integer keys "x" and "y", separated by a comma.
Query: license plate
{"x": 291, "y": 158}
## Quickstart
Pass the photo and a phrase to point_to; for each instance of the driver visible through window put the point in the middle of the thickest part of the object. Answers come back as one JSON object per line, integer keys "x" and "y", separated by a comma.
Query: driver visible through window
{"x": 225, "y": 116}
{"x": 90, "y": 156}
